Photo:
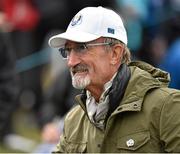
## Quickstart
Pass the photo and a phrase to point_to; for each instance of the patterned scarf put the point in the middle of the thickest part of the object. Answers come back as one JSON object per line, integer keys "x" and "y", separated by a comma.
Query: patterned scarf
{"x": 98, "y": 112}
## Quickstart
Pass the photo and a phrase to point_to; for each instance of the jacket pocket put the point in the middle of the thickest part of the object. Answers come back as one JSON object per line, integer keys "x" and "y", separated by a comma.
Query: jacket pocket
{"x": 76, "y": 147}
{"x": 134, "y": 142}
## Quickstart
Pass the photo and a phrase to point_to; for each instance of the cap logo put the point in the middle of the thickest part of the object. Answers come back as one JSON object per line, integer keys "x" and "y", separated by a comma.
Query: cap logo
{"x": 76, "y": 20}
{"x": 110, "y": 30}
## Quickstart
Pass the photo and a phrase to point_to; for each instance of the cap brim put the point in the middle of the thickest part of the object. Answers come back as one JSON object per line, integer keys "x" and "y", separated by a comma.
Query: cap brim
{"x": 75, "y": 36}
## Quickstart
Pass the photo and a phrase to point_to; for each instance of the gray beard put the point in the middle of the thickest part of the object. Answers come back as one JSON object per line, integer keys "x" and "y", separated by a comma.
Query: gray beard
{"x": 80, "y": 82}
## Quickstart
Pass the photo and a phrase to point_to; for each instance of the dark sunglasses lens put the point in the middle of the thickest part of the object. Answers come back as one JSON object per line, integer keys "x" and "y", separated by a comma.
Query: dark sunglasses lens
{"x": 63, "y": 52}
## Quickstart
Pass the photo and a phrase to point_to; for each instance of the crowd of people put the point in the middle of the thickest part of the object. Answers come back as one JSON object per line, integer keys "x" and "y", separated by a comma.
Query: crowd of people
{"x": 153, "y": 31}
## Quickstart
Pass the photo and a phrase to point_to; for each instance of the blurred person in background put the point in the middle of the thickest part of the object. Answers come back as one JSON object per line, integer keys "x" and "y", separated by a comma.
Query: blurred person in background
{"x": 124, "y": 106}
{"x": 9, "y": 88}
{"x": 20, "y": 18}
{"x": 28, "y": 22}
{"x": 171, "y": 64}
{"x": 155, "y": 39}
{"x": 149, "y": 14}
{"x": 161, "y": 45}
{"x": 170, "y": 61}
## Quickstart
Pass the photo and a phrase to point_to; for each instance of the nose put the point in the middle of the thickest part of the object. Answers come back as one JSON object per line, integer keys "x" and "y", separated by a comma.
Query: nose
{"x": 73, "y": 59}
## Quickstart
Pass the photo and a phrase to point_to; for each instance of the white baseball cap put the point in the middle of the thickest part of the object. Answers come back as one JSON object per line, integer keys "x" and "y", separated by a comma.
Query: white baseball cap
{"x": 89, "y": 24}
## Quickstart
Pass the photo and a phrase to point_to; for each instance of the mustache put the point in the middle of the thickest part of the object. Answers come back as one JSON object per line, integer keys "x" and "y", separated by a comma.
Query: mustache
{"x": 79, "y": 68}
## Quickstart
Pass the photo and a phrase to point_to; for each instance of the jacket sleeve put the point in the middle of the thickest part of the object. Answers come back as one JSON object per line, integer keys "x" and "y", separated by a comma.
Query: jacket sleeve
{"x": 170, "y": 123}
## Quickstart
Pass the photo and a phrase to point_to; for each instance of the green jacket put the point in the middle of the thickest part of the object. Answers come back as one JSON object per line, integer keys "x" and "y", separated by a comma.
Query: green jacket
{"x": 147, "y": 119}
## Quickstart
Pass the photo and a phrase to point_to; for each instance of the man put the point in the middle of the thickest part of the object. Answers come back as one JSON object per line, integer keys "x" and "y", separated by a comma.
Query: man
{"x": 9, "y": 88}
{"x": 125, "y": 106}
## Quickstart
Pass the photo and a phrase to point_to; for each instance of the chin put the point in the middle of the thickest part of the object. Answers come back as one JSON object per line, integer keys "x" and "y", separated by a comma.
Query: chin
{"x": 80, "y": 82}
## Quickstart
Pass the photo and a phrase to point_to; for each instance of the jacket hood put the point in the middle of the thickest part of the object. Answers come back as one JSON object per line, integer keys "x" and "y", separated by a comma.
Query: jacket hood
{"x": 144, "y": 77}
{"x": 154, "y": 73}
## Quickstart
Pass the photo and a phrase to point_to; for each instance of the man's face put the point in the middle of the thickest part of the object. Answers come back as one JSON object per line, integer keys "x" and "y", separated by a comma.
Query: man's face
{"x": 90, "y": 68}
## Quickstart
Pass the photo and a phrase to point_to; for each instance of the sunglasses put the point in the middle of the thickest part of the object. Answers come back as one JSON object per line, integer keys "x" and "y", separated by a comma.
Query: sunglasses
{"x": 80, "y": 48}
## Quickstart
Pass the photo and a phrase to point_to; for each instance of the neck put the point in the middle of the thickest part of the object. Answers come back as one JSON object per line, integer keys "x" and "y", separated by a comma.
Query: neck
{"x": 96, "y": 92}
{"x": 97, "y": 89}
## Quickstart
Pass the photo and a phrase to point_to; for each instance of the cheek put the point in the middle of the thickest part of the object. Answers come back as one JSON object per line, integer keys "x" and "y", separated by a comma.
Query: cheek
{"x": 99, "y": 65}
{"x": 100, "y": 69}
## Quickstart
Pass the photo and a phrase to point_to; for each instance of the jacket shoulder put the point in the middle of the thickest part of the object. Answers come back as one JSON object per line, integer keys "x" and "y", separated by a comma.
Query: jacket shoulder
{"x": 165, "y": 92}
{"x": 169, "y": 120}
{"x": 75, "y": 113}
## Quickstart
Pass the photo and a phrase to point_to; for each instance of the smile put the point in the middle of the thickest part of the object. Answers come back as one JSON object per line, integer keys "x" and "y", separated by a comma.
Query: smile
{"x": 81, "y": 72}
{"x": 80, "y": 69}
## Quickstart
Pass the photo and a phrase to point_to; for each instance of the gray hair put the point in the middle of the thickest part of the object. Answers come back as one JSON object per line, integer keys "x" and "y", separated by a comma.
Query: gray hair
{"x": 126, "y": 54}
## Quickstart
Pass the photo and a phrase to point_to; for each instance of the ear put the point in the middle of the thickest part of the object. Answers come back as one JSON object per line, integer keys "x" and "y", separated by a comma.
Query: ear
{"x": 116, "y": 54}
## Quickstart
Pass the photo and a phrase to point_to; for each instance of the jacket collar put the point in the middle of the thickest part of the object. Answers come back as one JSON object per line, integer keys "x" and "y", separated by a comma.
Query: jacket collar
{"x": 144, "y": 77}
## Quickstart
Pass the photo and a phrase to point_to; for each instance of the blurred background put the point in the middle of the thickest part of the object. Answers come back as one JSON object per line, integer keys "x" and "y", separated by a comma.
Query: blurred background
{"x": 35, "y": 85}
